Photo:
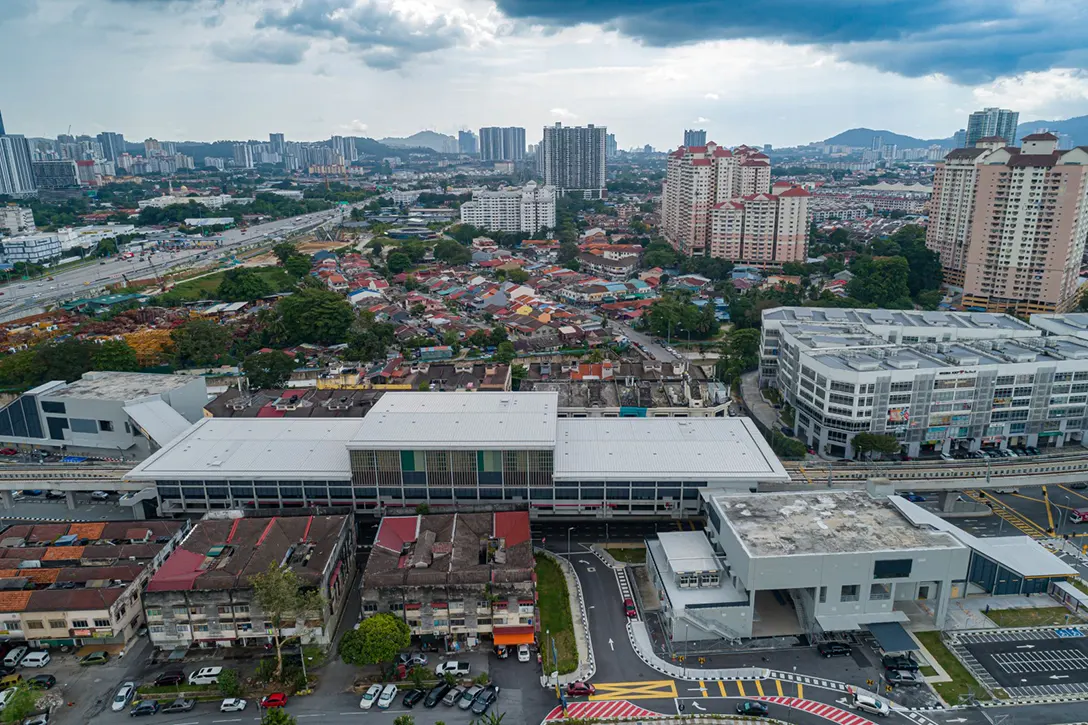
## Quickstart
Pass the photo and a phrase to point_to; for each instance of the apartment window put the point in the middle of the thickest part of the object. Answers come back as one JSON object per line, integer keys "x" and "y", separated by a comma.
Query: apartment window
{"x": 457, "y": 622}
{"x": 34, "y": 624}
{"x": 224, "y": 609}
{"x": 154, "y": 612}
{"x": 879, "y": 592}
{"x": 58, "y": 624}
{"x": 156, "y": 629}
{"x": 180, "y": 611}
{"x": 849, "y": 593}
{"x": 823, "y": 595}
{"x": 241, "y": 609}
{"x": 196, "y": 611}
{"x": 79, "y": 623}
{"x": 200, "y": 628}
{"x": 370, "y": 607}
{"x": 106, "y": 426}
{"x": 441, "y": 623}
{"x": 101, "y": 622}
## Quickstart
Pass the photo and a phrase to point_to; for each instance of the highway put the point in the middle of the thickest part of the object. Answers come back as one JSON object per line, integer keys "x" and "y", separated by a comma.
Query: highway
{"x": 26, "y": 297}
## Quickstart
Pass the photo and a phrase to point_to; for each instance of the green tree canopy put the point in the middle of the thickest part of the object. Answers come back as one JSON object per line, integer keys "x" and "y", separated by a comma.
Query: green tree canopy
{"x": 199, "y": 343}
{"x": 377, "y": 639}
{"x": 268, "y": 369}
{"x": 864, "y": 443}
{"x": 675, "y": 315}
{"x": 369, "y": 341}
{"x": 398, "y": 262}
{"x": 66, "y": 360}
{"x": 277, "y": 716}
{"x": 114, "y": 355}
{"x": 21, "y": 705}
{"x": 284, "y": 251}
{"x": 298, "y": 264}
{"x": 315, "y": 315}
{"x": 881, "y": 281}
{"x": 452, "y": 252}
{"x": 739, "y": 354}
{"x": 242, "y": 284}
{"x": 520, "y": 276}
{"x": 286, "y": 604}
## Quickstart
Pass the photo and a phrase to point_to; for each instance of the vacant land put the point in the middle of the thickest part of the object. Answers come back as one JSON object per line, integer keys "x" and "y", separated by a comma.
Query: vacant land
{"x": 631, "y": 555}
{"x": 204, "y": 288}
{"x": 555, "y": 614}
{"x": 1042, "y": 617}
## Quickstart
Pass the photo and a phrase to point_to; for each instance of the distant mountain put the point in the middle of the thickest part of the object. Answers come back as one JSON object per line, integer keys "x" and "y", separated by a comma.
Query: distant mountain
{"x": 439, "y": 142}
{"x": 863, "y": 137}
{"x": 1075, "y": 128}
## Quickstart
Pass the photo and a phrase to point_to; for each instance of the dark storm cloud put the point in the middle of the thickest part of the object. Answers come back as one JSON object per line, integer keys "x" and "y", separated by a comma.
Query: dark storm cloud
{"x": 968, "y": 40}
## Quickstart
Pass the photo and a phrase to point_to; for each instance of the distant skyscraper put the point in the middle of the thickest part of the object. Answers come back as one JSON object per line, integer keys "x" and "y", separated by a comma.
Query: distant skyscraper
{"x": 610, "y": 149}
{"x": 243, "y": 156}
{"x": 959, "y": 139}
{"x": 499, "y": 143}
{"x": 466, "y": 143}
{"x": 878, "y": 143}
{"x": 276, "y": 141}
{"x": 16, "y": 173}
{"x": 113, "y": 145}
{"x": 574, "y": 159}
{"x": 1, "y": 124}
{"x": 694, "y": 137}
{"x": 992, "y": 122}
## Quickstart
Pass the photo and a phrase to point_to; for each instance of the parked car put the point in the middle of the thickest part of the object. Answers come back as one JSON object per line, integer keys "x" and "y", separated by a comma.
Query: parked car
{"x": 37, "y": 658}
{"x": 436, "y": 694}
{"x": 833, "y": 649}
{"x": 502, "y": 651}
{"x": 144, "y": 707}
{"x": 170, "y": 677}
{"x": 232, "y": 704}
{"x": 412, "y": 659}
{"x": 523, "y": 653}
{"x": 386, "y": 698}
{"x": 469, "y": 696}
{"x": 629, "y": 608}
{"x": 15, "y": 656}
{"x": 752, "y": 707}
{"x": 903, "y": 677}
{"x": 42, "y": 682}
{"x": 485, "y": 699}
{"x": 8, "y": 452}
{"x": 9, "y": 681}
{"x": 370, "y": 697}
{"x": 900, "y": 661}
{"x": 1032, "y": 450}
{"x": 453, "y": 696}
{"x": 182, "y": 704}
{"x": 6, "y": 696}
{"x": 39, "y": 719}
{"x": 205, "y": 676}
{"x": 455, "y": 667}
{"x": 914, "y": 498}
{"x": 871, "y": 705}
{"x": 580, "y": 689}
{"x": 1078, "y": 485}
{"x": 98, "y": 657}
{"x": 276, "y": 699}
{"x": 412, "y": 698}
{"x": 123, "y": 696}
{"x": 100, "y": 495}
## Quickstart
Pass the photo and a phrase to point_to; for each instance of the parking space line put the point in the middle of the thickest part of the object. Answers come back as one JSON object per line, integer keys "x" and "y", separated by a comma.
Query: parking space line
{"x": 759, "y": 687}
{"x": 740, "y": 686}
{"x": 721, "y": 686}
{"x": 800, "y": 691}
{"x": 778, "y": 684}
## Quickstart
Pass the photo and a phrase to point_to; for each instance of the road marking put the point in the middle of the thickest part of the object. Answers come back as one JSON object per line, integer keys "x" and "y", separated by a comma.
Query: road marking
{"x": 721, "y": 686}
{"x": 800, "y": 691}
{"x": 651, "y": 690}
{"x": 740, "y": 686}
{"x": 759, "y": 687}
{"x": 235, "y": 720}
{"x": 702, "y": 687}
{"x": 778, "y": 683}
{"x": 698, "y": 706}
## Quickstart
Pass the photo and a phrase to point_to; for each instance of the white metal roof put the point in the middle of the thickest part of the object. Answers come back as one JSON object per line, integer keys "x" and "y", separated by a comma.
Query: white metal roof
{"x": 629, "y": 449}
{"x": 1018, "y": 553}
{"x": 445, "y": 420}
{"x": 255, "y": 449}
{"x": 158, "y": 420}
{"x": 688, "y": 551}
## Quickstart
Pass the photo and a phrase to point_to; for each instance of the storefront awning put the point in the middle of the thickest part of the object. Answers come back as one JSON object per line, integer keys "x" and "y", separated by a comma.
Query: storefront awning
{"x": 892, "y": 637}
{"x": 514, "y": 635}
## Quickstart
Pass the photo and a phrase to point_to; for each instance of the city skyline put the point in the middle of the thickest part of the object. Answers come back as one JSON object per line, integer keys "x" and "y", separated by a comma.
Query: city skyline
{"x": 463, "y": 63}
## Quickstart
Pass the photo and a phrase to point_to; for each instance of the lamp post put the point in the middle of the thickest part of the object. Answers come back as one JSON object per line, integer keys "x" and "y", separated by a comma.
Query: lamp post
{"x": 570, "y": 529}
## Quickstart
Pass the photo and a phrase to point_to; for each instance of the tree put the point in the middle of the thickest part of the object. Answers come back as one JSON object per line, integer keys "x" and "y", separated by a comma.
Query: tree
{"x": 315, "y": 315}
{"x": 517, "y": 374}
{"x": 452, "y": 252}
{"x": 268, "y": 369}
{"x": 505, "y": 353}
{"x": 20, "y": 369}
{"x": 875, "y": 443}
{"x": 739, "y": 353}
{"x": 398, "y": 262}
{"x": 199, "y": 343}
{"x": 21, "y": 705}
{"x": 115, "y": 355}
{"x": 377, "y": 639}
{"x": 298, "y": 265}
{"x": 277, "y": 716}
{"x": 881, "y": 281}
{"x": 228, "y": 683}
{"x": 369, "y": 341}
{"x": 284, "y": 251}
{"x": 519, "y": 276}
{"x": 66, "y": 360}
{"x": 243, "y": 285}
{"x": 404, "y": 720}
{"x": 287, "y": 604}
{"x": 659, "y": 254}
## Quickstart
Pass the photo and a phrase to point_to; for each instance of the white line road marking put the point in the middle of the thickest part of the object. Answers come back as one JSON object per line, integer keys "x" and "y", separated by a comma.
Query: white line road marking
{"x": 611, "y": 644}
{"x": 698, "y": 706}
{"x": 234, "y": 720}
{"x": 1025, "y": 646}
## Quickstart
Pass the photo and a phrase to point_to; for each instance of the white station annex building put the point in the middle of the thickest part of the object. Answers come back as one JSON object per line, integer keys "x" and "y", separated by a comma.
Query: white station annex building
{"x": 461, "y": 448}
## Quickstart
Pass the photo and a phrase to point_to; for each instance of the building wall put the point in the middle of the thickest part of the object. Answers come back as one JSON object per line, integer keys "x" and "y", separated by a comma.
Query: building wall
{"x": 462, "y": 610}
{"x": 16, "y": 173}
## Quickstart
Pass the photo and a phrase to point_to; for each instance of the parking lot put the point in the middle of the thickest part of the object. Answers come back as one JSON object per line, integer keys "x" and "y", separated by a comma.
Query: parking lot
{"x": 1041, "y": 662}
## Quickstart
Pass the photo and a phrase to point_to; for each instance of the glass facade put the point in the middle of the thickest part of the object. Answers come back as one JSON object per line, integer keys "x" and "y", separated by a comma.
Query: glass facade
{"x": 998, "y": 580}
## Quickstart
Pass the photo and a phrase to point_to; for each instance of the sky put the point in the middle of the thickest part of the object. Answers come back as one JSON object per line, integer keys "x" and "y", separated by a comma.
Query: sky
{"x": 783, "y": 72}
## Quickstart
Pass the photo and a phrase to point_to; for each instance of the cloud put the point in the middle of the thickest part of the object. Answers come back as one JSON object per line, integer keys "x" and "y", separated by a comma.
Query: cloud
{"x": 356, "y": 126}
{"x": 712, "y": 97}
{"x": 15, "y": 9}
{"x": 969, "y": 41}
{"x": 383, "y": 33}
{"x": 261, "y": 48}
{"x": 702, "y": 119}
{"x": 562, "y": 113}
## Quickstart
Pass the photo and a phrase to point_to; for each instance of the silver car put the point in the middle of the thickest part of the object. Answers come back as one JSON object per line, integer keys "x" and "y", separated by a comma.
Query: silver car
{"x": 469, "y": 696}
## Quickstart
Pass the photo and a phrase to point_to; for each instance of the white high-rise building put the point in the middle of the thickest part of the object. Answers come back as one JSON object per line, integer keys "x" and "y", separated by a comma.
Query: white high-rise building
{"x": 16, "y": 173}
{"x": 574, "y": 159}
{"x": 991, "y": 122}
{"x": 528, "y": 209}
{"x": 243, "y": 156}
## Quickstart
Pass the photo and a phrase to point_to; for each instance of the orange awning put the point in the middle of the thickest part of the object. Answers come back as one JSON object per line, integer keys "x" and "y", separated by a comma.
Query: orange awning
{"x": 512, "y": 636}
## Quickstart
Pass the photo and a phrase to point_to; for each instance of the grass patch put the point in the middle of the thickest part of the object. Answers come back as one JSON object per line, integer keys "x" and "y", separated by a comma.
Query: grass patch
{"x": 928, "y": 671}
{"x": 178, "y": 690}
{"x": 962, "y": 680}
{"x": 1044, "y": 617}
{"x": 555, "y": 615}
{"x": 1079, "y": 584}
{"x": 631, "y": 555}
{"x": 203, "y": 288}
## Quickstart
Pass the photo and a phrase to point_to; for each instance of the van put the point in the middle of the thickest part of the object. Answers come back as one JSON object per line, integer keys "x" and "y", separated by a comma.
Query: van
{"x": 871, "y": 705}
{"x": 39, "y": 658}
{"x": 14, "y": 657}
{"x": 1078, "y": 516}
{"x": 205, "y": 676}
{"x": 10, "y": 681}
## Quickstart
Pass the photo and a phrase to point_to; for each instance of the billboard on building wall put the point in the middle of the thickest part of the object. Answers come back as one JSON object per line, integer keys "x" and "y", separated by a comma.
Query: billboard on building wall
{"x": 899, "y": 417}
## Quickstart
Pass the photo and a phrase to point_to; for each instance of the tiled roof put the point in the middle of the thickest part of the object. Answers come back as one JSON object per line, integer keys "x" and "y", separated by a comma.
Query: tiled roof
{"x": 63, "y": 553}
{"x": 87, "y": 531}
{"x": 14, "y": 601}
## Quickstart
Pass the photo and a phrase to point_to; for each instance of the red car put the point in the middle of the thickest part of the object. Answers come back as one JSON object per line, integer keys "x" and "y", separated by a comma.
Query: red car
{"x": 276, "y": 699}
{"x": 629, "y": 608}
{"x": 8, "y": 452}
{"x": 579, "y": 689}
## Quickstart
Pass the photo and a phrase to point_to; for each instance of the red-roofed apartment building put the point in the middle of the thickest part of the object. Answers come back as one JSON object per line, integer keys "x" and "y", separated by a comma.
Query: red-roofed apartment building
{"x": 455, "y": 577}
{"x": 203, "y": 597}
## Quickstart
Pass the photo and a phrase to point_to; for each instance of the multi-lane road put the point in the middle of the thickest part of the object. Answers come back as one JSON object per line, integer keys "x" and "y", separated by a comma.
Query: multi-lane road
{"x": 23, "y": 297}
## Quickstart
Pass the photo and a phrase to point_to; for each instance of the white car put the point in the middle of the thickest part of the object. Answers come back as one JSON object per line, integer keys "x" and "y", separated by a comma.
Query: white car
{"x": 523, "y": 653}
{"x": 453, "y": 667}
{"x": 370, "y": 697}
{"x": 232, "y": 704}
{"x": 100, "y": 496}
{"x": 123, "y": 696}
{"x": 388, "y": 695}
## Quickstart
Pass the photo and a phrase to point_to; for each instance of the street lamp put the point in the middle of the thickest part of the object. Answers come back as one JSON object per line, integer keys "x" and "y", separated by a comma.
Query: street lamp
{"x": 568, "y": 539}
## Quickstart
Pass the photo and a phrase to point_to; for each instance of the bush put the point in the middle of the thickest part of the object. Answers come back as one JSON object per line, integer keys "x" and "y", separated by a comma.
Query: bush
{"x": 229, "y": 684}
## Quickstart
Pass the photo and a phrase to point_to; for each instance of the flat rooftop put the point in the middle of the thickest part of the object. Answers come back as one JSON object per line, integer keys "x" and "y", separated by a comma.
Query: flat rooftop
{"x": 688, "y": 551}
{"x": 626, "y": 449}
{"x": 255, "y": 449}
{"x": 1069, "y": 323}
{"x": 120, "y": 386}
{"x": 445, "y": 420}
{"x": 826, "y": 522}
{"x": 900, "y": 318}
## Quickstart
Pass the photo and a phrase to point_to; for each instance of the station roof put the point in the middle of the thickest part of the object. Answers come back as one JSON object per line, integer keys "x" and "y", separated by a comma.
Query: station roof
{"x": 120, "y": 386}
{"x": 688, "y": 551}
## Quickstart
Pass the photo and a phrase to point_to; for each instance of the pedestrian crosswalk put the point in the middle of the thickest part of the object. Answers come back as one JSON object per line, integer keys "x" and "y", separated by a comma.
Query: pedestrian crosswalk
{"x": 1017, "y": 521}
{"x": 665, "y": 689}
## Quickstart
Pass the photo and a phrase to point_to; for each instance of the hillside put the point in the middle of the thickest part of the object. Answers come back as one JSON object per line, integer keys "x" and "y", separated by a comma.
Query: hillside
{"x": 1076, "y": 128}
{"x": 863, "y": 137}
{"x": 439, "y": 142}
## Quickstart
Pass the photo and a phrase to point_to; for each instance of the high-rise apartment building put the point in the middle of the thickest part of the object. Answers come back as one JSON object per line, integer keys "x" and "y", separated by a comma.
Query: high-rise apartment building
{"x": 1, "y": 124}
{"x": 573, "y": 159}
{"x": 1010, "y": 223}
{"x": 992, "y": 122}
{"x": 466, "y": 143}
{"x": 113, "y": 145}
{"x": 717, "y": 203}
{"x": 959, "y": 139}
{"x": 610, "y": 148}
{"x": 528, "y": 209}
{"x": 16, "y": 173}
{"x": 502, "y": 143}
{"x": 275, "y": 140}
{"x": 57, "y": 174}
{"x": 243, "y": 156}
{"x": 694, "y": 137}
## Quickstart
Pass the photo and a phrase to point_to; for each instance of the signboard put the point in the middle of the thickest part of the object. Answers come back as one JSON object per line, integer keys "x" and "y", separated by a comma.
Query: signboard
{"x": 899, "y": 416}
{"x": 81, "y": 633}
{"x": 103, "y": 633}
